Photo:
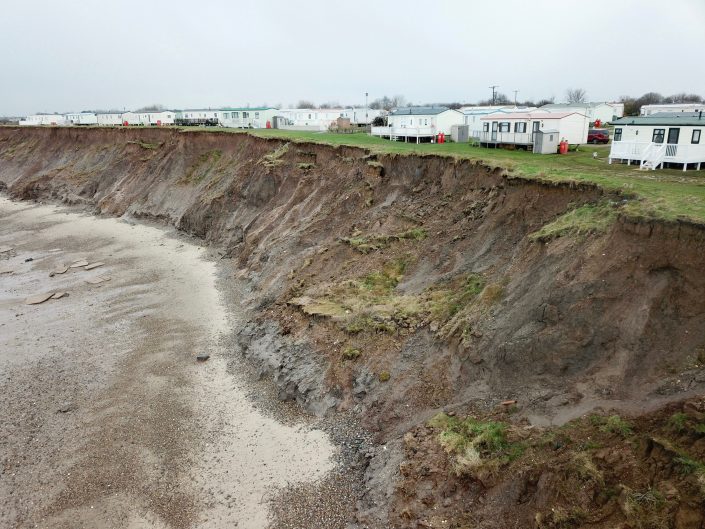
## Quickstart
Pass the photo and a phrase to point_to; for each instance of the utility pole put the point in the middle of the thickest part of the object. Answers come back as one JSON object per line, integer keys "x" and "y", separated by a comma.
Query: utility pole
{"x": 367, "y": 119}
{"x": 494, "y": 87}
{"x": 515, "y": 98}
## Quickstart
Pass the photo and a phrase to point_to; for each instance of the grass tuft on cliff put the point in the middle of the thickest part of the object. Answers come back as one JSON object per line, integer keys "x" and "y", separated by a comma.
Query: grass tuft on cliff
{"x": 374, "y": 242}
{"x": 581, "y": 221}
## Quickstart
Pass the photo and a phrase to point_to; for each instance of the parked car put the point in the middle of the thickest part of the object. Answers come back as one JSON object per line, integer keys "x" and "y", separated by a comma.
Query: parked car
{"x": 598, "y": 136}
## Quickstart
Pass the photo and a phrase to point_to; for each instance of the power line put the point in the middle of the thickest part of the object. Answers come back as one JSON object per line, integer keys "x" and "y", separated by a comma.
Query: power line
{"x": 494, "y": 87}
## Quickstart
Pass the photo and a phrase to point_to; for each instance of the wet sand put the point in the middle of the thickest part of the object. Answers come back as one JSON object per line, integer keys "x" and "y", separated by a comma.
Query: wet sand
{"x": 107, "y": 418}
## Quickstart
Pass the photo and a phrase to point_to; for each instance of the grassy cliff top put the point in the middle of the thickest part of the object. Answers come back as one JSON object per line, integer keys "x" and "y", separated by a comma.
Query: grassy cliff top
{"x": 669, "y": 194}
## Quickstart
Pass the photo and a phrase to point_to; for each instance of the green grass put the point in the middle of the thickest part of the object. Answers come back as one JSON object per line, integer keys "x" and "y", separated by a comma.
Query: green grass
{"x": 473, "y": 443}
{"x": 273, "y": 159}
{"x": 351, "y": 353}
{"x": 583, "y": 220}
{"x": 616, "y": 425}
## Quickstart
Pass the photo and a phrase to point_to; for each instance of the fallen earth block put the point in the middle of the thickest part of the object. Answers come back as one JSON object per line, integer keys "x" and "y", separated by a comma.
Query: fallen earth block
{"x": 4, "y": 249}
{"x": 58, "y": 271}
{"x": 203, "y": 357}
{"x": 93, "y": 265}
{"x": 38, "y": 298}
{"x": 78, "y": 264}
{"x": 97, "y": 280}
{"x": 59, "y": 295}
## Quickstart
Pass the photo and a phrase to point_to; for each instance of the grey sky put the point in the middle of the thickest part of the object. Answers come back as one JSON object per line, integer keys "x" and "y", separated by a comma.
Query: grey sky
{"x": 72, "y": 55}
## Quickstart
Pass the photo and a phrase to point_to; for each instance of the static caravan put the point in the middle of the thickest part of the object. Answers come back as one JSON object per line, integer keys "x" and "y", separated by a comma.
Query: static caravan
{"x": 247, "y": 118}
{"x": 43, "y": 119}
{"x": 162, "y": 118}
{"x": 473, "y": 115}
{"x": 650, "y": 110}
{"x": 81, "y": 118}
{"x": 361, "y": 116}
{"x": 419, "y": 124}
{"x": 660, "y": 140}
{"x": 149, "y": 119}
{"x": 197, "y": 116}
{"x": 109, "y": 119}
{"x": 519, "y": 128}
{"x": 309, "y": 118}
{"x": 605, "y": 112}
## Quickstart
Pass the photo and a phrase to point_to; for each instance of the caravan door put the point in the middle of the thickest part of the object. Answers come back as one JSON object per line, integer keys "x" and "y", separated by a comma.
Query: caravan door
{"x": 494, "y": 130}
{"x": 672, "y": 147}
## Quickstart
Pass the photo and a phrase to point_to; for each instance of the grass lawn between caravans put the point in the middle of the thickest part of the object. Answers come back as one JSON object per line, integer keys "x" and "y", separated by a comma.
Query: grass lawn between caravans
{"x": 669, "y": 194}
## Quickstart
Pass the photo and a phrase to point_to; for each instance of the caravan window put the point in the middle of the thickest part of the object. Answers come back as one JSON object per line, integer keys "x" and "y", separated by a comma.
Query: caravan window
{"x": 504, "y": 126}
{"x": 696, "y": 136}
{"x": 618, "y": 134}
{"x": 520, "y": 127}
{"x": 658, "y": 135}
{"x": 236, "y": 114}
{"x": 486, "y": 127}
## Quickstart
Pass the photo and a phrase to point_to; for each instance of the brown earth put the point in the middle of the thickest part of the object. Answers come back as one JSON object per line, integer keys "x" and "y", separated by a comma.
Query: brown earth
{"x": 397, "y": 286}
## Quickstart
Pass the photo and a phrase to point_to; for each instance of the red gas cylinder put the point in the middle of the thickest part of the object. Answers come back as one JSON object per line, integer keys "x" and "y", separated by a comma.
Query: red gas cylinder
{"x": 159, "y": 123}
{"x": 563, "y": 147}
{"x": 125, "y": 123}
{"x": 598, "y": 123}
{"x": 442, "y": 137}
{"x": 269, "y": 124}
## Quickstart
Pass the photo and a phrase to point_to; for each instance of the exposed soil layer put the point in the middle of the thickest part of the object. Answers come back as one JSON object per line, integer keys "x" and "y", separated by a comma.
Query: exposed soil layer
{"x": 397, "y": 286}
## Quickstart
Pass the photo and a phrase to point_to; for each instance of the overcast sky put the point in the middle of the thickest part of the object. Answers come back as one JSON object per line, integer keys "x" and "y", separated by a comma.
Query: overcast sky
{"x": 72, "y": 55}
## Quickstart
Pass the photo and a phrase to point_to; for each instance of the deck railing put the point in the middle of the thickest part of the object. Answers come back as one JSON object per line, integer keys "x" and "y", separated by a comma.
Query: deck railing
{"x": 404, "y": 131}
{"x": 657, "y": 153}
{"x": 520, "y": 138}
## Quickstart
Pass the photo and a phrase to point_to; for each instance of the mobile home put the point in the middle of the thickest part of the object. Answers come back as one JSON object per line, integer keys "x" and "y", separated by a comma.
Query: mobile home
{"x": 149, "y": 119}
{"x": 650, "y": 110}
{"x": 109, "y": 119}
{"x": 419, "y": 124}
{"x": 197, "y": 116}
{"x": 473, "y": 114}
{"x": 660, "y": 140}
{"x": 604, "y": 112}
{"x": 247, "y": 118}
{"x": 519, "y": 128}
{"x": 81, "y": 118}
{"x": 308, "y": 118}
{"x": 43, "y": 119}
{"x": 361, "y": 116}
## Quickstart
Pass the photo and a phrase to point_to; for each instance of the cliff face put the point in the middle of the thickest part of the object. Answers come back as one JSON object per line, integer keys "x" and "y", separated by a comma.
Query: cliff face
{"x": 399, "y": 285}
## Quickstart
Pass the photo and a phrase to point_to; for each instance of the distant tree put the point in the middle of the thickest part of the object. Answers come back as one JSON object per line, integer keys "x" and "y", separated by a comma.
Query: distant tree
{"x": 527, "y": 103}
{"x": 575, "y": 95}
{"x": 304, "y": 103}
{"x": 542, "y": 102}
{"x": 399, "y": 101}
{"x": 388, "y": 103}
{"x": 683, "y": 98}
{"x": 379, "y": 121}
{"x": 330, "y": 104}
{"x": 650, "y": 98}
{"x": 631, "y": 107}
{"x": 152, "y": 108}
{"x": 453, "y": 106}
{"x": 499, "y": 99}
